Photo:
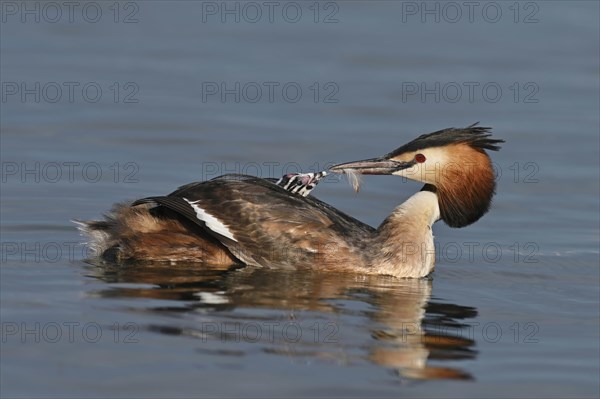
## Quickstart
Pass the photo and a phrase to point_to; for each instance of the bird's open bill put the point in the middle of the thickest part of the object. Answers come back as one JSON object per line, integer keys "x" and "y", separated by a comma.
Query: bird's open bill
{"x": 373, "y": 166}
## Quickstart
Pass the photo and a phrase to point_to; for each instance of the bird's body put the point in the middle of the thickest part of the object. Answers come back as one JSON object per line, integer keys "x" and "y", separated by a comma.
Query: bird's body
{"x": 237, "y": 219}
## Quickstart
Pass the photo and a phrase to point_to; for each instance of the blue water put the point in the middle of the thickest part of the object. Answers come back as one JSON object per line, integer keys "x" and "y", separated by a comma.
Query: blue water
{"x": 512, "y": 308}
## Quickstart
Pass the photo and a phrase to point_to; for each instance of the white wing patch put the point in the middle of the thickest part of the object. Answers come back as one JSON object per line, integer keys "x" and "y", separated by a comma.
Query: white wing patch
{"x": 216, "y": 298}
{"x": 212, "y": 222}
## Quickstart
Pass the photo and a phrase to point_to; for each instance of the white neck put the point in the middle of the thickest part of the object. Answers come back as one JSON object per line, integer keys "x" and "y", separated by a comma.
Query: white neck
{"x": 405, "y": 240}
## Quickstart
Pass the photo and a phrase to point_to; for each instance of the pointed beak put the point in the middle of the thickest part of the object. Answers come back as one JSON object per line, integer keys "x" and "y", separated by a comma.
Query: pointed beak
{"x": 373, "y": 166}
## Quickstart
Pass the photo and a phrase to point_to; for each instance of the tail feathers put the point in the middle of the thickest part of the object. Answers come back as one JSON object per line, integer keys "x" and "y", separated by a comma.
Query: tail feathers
{"x": 97, "y": 233}
{"x": 146, "y": 232}
{"x": 103, "y": 235}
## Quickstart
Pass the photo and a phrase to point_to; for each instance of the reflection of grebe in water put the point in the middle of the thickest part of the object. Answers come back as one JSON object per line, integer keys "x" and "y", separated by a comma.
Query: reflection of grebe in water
{"x": 385, "y": 321}
{"x": 248, "y": 220}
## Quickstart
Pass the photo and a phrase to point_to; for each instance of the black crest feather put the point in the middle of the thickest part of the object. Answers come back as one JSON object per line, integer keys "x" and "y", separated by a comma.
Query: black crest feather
{"x": 473, "y": 135}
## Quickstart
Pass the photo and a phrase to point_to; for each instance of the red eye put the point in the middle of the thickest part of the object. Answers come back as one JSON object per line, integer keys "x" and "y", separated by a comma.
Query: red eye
{"x": 420, "y": 158}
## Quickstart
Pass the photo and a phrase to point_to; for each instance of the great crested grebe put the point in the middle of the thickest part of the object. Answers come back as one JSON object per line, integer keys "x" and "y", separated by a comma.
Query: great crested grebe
{"x": 238, "y": 219}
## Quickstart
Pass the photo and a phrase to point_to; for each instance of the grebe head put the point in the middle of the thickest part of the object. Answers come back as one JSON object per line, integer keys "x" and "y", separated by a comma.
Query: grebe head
{"x": 452, "y": 162}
